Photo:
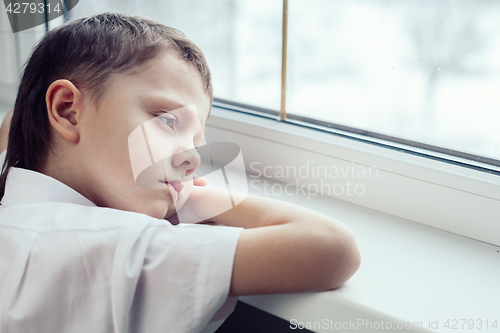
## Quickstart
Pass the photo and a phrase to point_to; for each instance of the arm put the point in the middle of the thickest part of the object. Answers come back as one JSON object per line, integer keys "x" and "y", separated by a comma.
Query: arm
{"x": 284, "y": 248}
{"x": 4, "y": 130}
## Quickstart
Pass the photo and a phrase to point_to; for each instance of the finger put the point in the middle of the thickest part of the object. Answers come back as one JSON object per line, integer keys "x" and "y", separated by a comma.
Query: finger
{"x": 198, "y": 181}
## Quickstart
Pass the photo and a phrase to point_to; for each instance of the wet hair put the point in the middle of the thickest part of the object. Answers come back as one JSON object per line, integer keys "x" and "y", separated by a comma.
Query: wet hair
{"x": 86, "y": 51}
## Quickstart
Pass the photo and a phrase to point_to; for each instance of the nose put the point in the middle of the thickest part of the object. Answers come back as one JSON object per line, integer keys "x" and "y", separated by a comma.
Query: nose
{"x": 188, "y": 160}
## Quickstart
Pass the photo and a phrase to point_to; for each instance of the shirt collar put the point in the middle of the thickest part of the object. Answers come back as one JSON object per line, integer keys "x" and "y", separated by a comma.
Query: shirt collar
{"x": 25, "y": 187}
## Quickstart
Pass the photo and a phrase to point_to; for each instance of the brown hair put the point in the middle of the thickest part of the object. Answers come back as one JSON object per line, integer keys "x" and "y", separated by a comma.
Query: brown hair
{"x": 86, "y": 51}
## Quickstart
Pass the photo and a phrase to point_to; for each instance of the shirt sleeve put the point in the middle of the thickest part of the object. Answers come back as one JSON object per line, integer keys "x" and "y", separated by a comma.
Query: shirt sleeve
{"x": 172, "y": 277}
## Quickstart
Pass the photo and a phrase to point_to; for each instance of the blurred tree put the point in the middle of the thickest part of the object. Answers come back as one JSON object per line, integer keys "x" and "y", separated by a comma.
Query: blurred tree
{"x": 446, "y": 36}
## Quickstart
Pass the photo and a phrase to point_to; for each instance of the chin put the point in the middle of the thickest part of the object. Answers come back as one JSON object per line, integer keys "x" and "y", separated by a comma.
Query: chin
{"x": 184, "y": 195}
{"x": 159, "y": 210}
{"x": 154, "y": 207}
{"x": 159, "y": 205}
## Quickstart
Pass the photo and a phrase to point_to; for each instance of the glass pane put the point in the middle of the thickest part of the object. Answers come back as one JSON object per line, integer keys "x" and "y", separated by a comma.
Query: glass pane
{"x": 241, "y": 40}
{"x": 424, "y": 70}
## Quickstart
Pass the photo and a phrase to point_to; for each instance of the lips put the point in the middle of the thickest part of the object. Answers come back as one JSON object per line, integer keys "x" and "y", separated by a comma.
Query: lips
{"x": 175, "y": 187}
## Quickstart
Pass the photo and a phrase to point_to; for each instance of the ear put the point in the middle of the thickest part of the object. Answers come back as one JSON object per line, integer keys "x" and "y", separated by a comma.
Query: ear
{"x": 64, "y": 108}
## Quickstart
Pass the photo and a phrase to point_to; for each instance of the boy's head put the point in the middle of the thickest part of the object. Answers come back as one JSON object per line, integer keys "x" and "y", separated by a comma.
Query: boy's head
{"x": 87, "y": 86}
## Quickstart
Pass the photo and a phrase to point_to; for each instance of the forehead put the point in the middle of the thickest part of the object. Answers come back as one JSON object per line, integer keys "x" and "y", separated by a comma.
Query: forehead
{"x": 169, "y": 82}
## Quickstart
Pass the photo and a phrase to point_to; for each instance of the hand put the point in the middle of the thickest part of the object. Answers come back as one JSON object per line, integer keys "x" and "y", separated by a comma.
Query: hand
{"x": 199, "y": 181}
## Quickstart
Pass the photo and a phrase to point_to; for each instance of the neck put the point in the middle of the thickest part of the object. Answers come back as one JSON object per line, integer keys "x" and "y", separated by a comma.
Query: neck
{"x": 62, "y": 168}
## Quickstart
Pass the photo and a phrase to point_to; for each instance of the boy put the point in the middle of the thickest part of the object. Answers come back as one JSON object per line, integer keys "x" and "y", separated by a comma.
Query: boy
{"x": 84, "y": 247}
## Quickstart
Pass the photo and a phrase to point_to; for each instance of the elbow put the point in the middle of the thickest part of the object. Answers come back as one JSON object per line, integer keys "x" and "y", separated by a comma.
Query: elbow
{"x": 327, "y": 256}
{"x": 344, "y": 258}
{"x": 351, "y": 262}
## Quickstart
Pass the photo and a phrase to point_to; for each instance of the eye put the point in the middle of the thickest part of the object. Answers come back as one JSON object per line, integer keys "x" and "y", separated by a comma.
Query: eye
{"x": 169, "y": 120}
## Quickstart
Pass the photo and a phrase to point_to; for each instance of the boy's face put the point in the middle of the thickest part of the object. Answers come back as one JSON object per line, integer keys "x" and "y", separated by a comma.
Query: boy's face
{"x": 166, "y": 103}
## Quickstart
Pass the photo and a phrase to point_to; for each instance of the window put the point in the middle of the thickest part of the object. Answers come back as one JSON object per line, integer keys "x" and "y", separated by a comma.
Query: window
{"x": 421, "y": 70}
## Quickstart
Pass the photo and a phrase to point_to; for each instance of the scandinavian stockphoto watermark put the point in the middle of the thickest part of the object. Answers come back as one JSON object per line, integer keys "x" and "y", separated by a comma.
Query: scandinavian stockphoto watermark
{"x": 310, "y": 179}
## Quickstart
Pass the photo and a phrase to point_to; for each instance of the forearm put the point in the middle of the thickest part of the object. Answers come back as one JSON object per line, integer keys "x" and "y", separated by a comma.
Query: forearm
{"x": 294, "y": 257}
{"x": 214, "y": 204}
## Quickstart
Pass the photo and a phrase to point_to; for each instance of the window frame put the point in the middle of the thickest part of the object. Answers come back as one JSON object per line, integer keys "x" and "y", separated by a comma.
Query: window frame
{"x": 431, "y": 191}
{"x": 462, "y": 158}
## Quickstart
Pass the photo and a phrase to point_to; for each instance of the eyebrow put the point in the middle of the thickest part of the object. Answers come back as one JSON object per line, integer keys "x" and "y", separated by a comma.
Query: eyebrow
{"x": 163, "y": 100}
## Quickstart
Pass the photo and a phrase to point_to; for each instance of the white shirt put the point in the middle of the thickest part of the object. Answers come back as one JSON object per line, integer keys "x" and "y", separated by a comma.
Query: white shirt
{"x": 67, "y": 265}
